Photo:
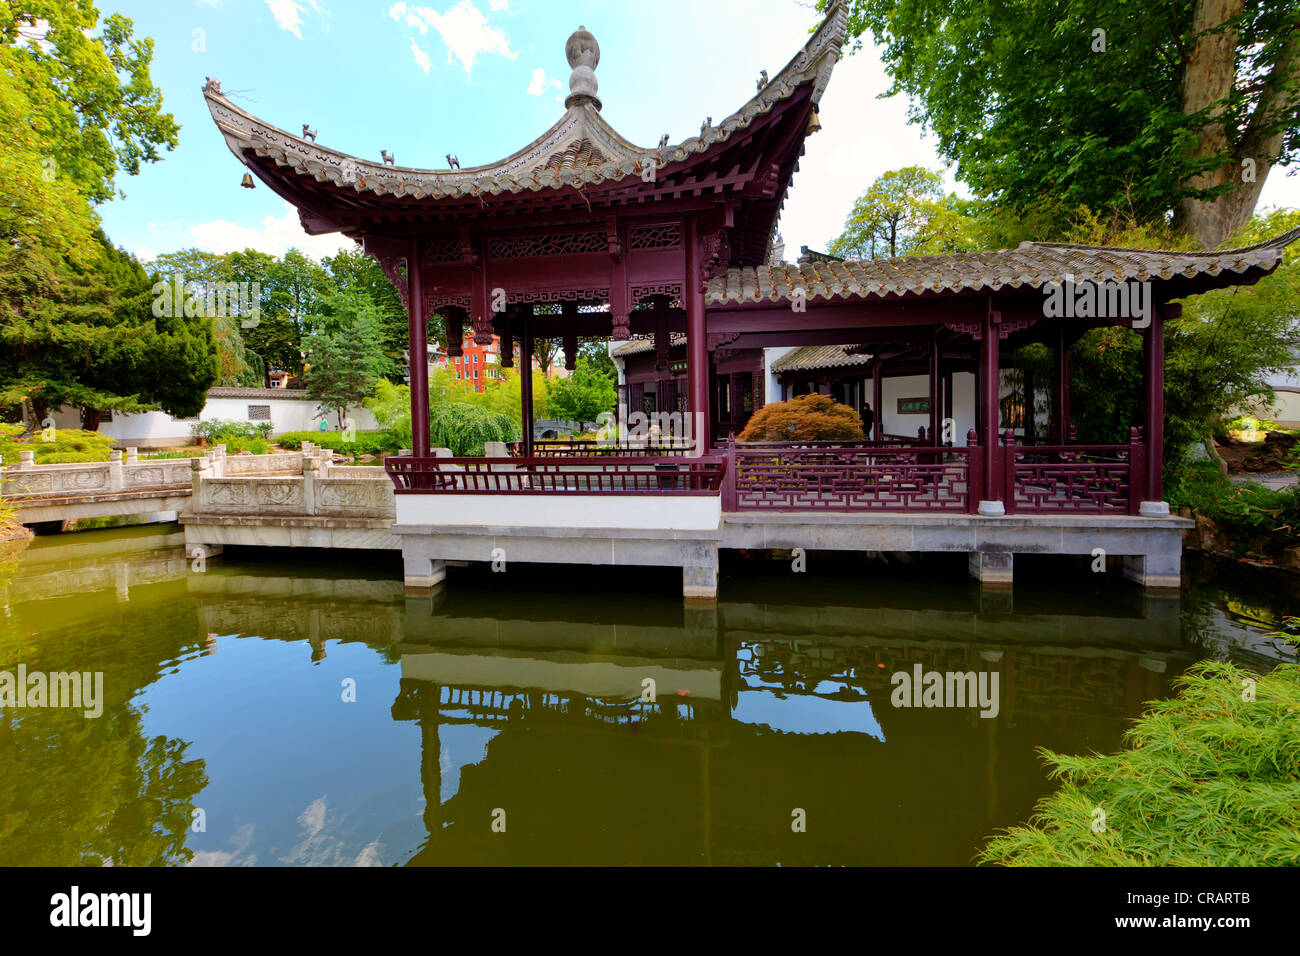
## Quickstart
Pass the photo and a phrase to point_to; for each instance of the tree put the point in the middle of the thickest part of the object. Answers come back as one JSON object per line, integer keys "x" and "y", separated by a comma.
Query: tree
{"x": 345, "y": 353}
{"x": 596, "y": 352}
{"x": 353, "y": 271}
{"x": 83, "y": 333}
{"x": 582, "y": 396}
{"x": 807, "y": 418}
{"x": 1179, "y": 109}
{"x": 905, "y": 212}
{"x": 93, "y": 103}
{"x": 76, "y": 325}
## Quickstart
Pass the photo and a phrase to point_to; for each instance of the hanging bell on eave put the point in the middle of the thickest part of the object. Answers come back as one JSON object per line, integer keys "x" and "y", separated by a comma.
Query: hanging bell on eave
{"x": 247, "y": 181}
{"x": 814, "y": 123}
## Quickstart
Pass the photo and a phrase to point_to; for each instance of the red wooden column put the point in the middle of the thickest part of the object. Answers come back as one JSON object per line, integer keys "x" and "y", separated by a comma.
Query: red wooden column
{"x": 418, "y": 332}
{"x": 1061, "y": 388}
{"x": 876, "y": 391}
{"x": 1153, "y": 354}
{"x": 935, "y": 437}
{"x": 526, "y": 383}
{"x": 697, "y": 348}
{"x": 987, "y": 409}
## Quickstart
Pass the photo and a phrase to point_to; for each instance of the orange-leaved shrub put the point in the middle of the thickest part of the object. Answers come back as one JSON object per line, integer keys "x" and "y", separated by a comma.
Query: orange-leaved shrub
{"x": 806, "y": 418}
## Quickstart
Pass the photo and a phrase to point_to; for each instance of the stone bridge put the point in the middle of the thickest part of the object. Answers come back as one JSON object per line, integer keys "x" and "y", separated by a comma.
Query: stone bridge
{"x": 317, "y": 505}
{"x": 126, "y": 484}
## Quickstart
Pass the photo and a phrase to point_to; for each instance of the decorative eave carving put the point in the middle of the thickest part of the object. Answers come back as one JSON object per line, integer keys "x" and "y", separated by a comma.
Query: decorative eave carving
{"x": 392, "y": 266}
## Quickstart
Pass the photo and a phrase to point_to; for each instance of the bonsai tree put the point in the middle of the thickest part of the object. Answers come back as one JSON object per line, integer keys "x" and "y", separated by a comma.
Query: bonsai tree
{"x": 807, "y": 418}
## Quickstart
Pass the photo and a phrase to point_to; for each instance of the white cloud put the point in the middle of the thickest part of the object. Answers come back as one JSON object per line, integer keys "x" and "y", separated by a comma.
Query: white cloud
{"x": 277, "y": 235}
{"x": 421, "y": 58}
{"x": 287, "y": 13}
{"x": 540, "y": 83}
{"x": 464, "y": 29}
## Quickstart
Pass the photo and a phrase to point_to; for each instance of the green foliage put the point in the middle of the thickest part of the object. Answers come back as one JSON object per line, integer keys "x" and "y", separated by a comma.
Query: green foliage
{"x": 69, "y": 444}
{"x": 807, "y": 418}
{"x": 1020, "y": 97}
{"x": 391, "y": 406}
{"x": 1255, "y": 517}
{"x": 81, "y": 332}
{"x": 258, "y": 446}
{"x": 366, "y": 443}
{"x": 92, "y": 100}
{"x": 1207, "y": 779}
{"x": 583, "y": 395}
{"x": 345, "y": 353}
{"x": 354, "y": 272}
{"x": 905, "y": 213}
{"x": 218, "y": 430}
{"x": 465, "y": 428}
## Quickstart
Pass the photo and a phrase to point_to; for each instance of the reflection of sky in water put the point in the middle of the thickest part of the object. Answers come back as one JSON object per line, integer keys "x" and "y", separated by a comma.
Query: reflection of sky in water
{"x": 766, "y": 703}
{"x": 462, "y": 745}
{"x": 804, "y": 714}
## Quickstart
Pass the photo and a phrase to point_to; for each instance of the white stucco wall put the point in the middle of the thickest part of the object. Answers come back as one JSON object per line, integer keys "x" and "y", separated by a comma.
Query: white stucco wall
{"x": 772, "y": 382}
{"x": 288, "y": 414}
{"x": 649, "y": 512}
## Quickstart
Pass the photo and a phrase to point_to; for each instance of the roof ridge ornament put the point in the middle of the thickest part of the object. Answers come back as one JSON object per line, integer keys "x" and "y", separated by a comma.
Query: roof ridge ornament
{"x": 583, "y": 53}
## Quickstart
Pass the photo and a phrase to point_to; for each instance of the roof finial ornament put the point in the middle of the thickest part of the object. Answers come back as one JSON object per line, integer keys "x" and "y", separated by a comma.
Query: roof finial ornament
{"x": 583, "y": 54}
{"x": 663, "y": 141}
{"x": 762, "y": 80}
{"x": 453, "y": 162}
{"x": 308, "y": 133}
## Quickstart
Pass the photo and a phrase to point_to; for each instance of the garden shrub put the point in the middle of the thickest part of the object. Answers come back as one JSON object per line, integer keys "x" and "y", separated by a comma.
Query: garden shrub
{"x": 1261, "y": 518}
{"x": 365, "y": 443}
{"x": 466, "y": 428}
{"x": 807, "y": 418}
{"x": 1205, "y": 779}
{"x": 82, "y": 445}
{"x": 220, "y": 430}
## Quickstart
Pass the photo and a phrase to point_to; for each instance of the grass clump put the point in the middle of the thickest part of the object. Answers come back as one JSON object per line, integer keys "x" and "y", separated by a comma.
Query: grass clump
{"x": 1206, "y": 779}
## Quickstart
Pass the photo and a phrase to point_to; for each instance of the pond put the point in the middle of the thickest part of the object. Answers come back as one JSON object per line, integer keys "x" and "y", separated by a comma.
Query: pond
{"x": 299, "y": 708}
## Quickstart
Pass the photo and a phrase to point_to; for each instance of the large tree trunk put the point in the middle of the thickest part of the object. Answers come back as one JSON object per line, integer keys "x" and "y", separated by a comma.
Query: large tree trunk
{"x": 90, "y": 419}
{"x": 1208, "y": 78}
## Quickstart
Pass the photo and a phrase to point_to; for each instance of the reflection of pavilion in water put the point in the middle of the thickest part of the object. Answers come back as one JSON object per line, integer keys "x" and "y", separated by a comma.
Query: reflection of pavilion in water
{"x": 754, "y": 715}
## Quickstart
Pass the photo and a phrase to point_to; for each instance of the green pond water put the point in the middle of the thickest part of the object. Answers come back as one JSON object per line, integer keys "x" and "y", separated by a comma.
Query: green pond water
{"x": 500, "y": 721}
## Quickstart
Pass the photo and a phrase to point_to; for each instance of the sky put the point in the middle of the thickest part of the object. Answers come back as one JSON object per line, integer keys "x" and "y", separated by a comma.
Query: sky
{"x": 480, "y": 79}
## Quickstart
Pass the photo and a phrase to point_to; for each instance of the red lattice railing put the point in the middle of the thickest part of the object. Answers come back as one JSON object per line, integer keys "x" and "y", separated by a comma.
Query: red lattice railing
{"x": 539, "y": 476}
{"x": 1074, "y": 479}
{"x": 587, "y": 448}
{"x": 820, "y": 476}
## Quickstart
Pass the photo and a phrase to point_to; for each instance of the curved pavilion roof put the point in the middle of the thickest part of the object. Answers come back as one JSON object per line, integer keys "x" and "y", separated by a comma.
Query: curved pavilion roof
{"x": 1027, "y": 268}
{"x": 581, "y": 148}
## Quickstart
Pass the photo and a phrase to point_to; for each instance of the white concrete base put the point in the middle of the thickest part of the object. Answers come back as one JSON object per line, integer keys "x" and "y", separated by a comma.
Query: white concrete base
{"x": 1154, "y": 509}
{"x": 992, "y": 567}
{"x": 1155, "y": 570}
{"x": 700, "y": 583}
{"x": 991, "y": 509}
{"x": 423, "y": 573}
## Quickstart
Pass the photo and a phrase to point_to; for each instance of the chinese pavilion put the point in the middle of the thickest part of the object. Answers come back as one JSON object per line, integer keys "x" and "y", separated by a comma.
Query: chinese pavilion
{"x": 582, "y": 233}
